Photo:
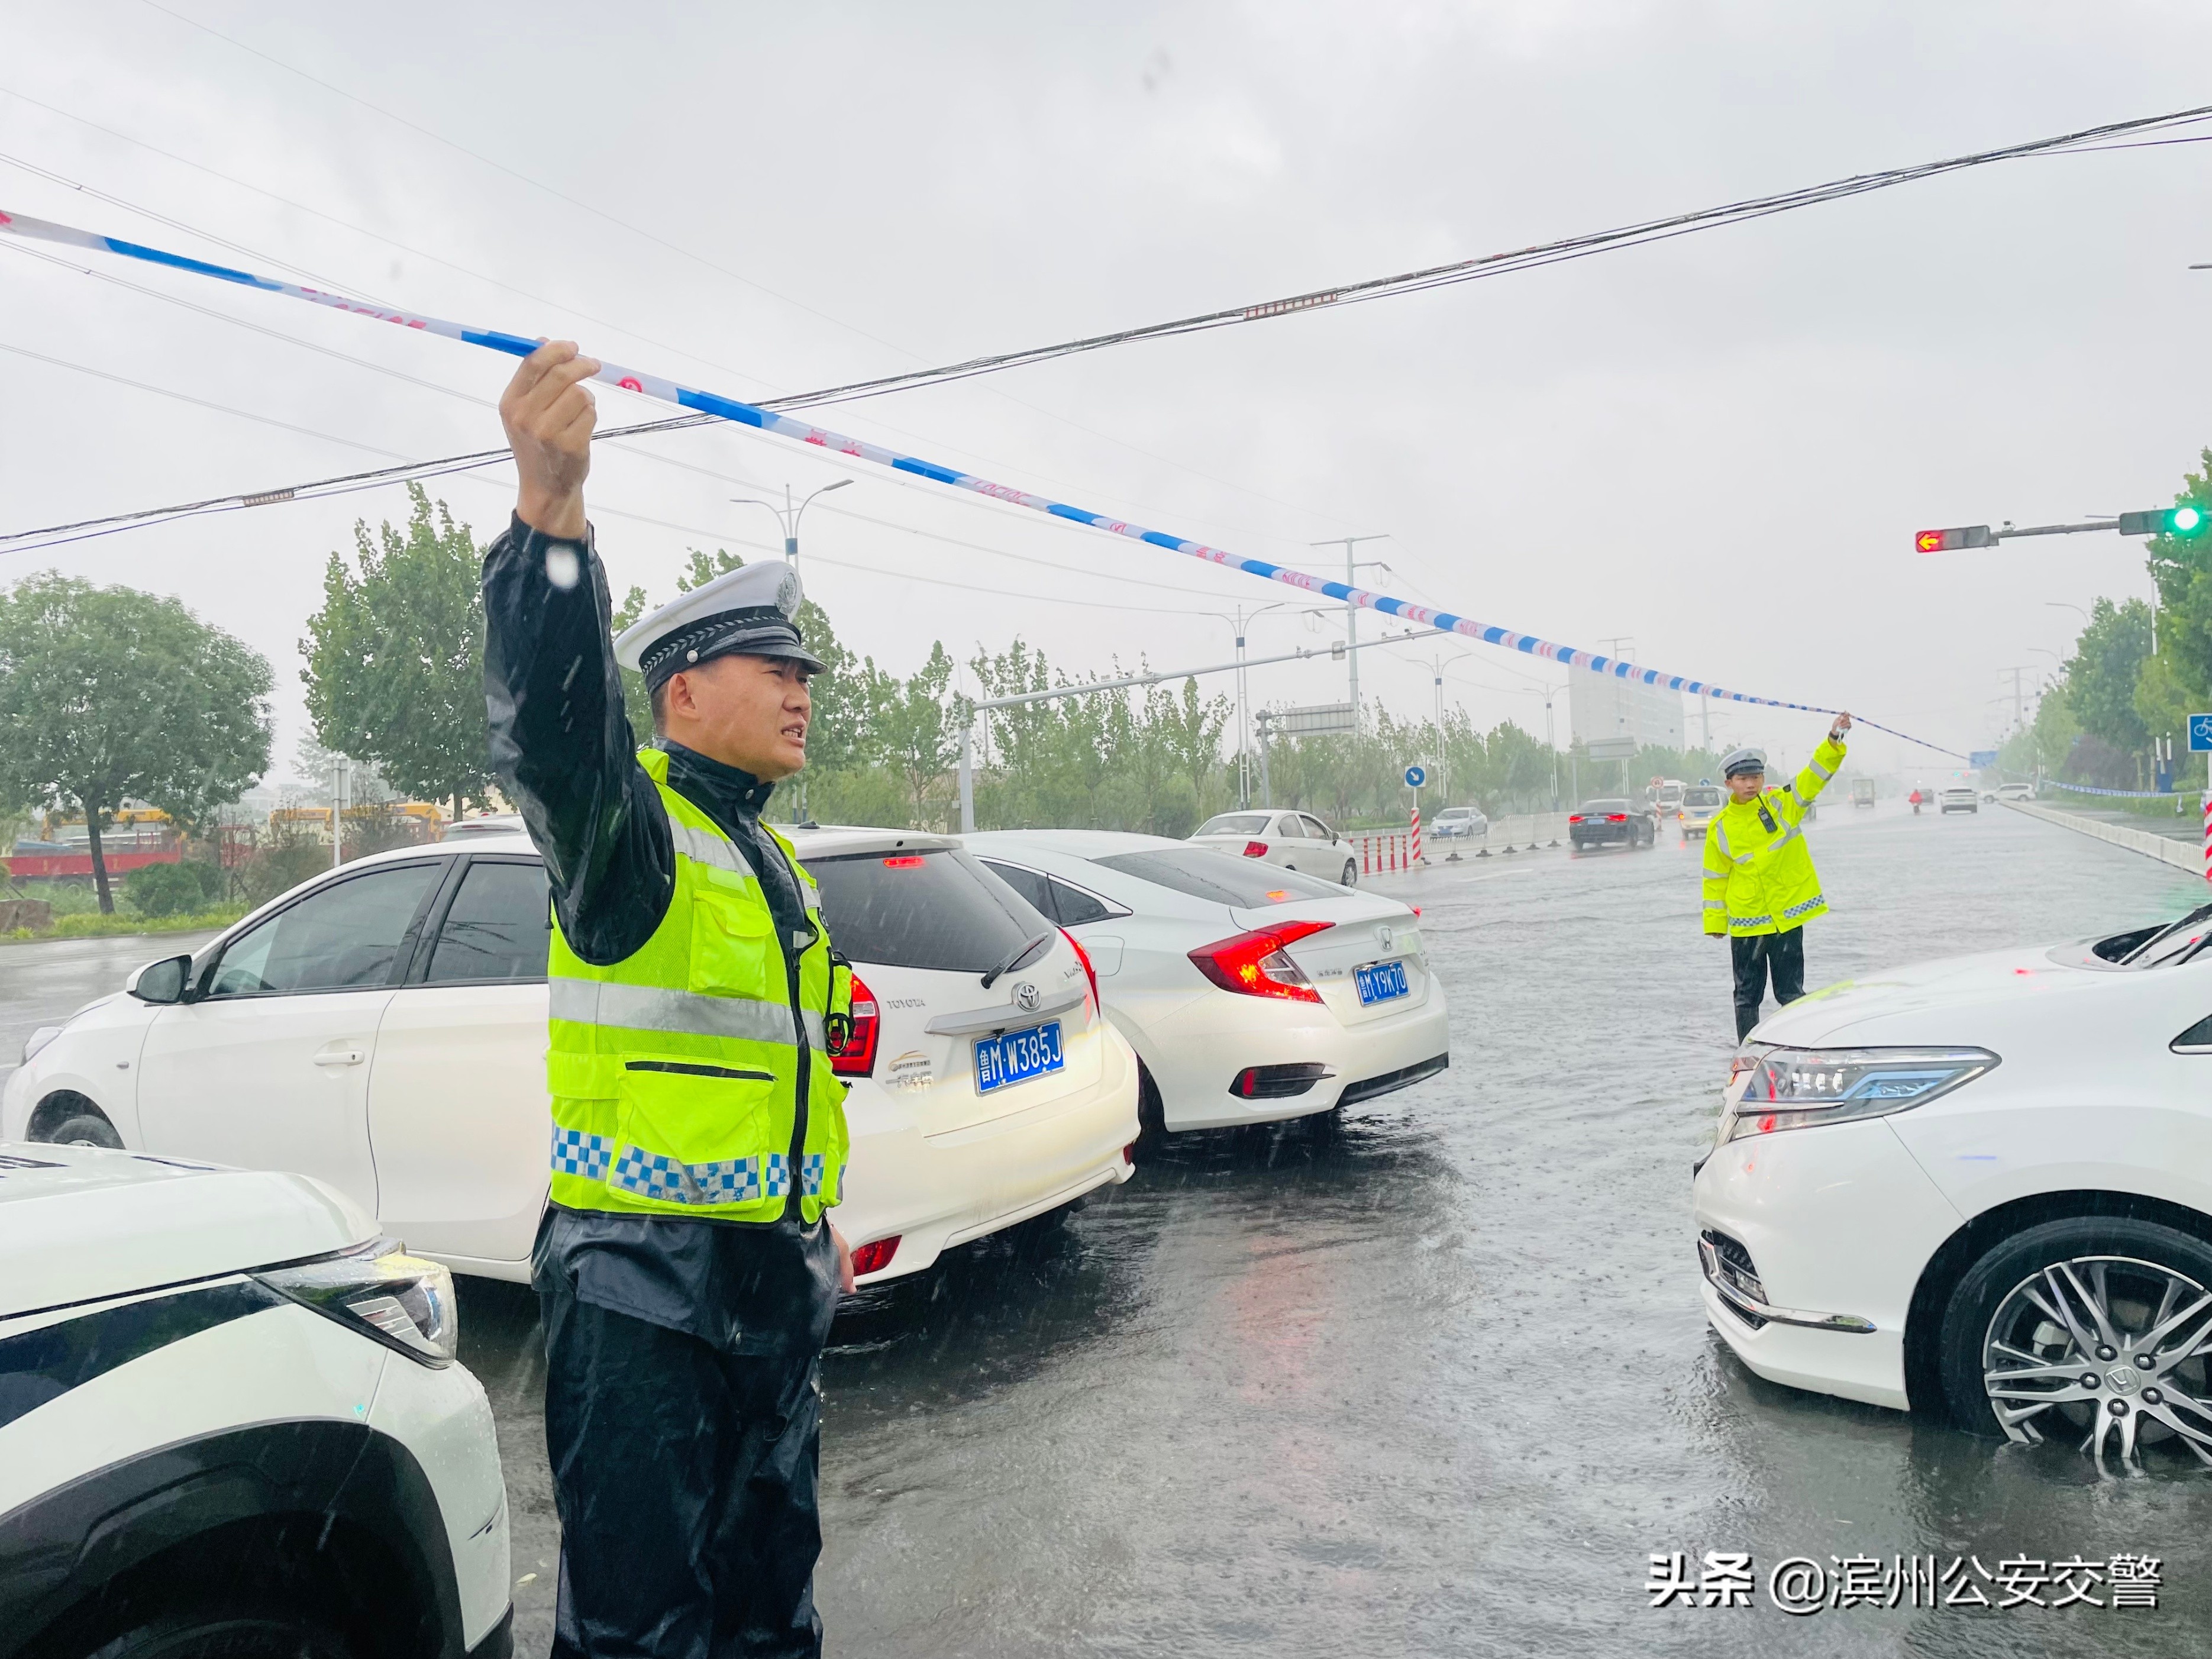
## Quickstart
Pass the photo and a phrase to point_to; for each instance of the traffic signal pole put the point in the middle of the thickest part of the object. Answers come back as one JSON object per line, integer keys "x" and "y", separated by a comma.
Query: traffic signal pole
{"x": 2185, "y": 521}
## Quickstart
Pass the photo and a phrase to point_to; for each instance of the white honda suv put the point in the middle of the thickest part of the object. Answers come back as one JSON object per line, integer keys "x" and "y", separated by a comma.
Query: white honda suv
{"x": 1982, "y": 1187}
{"x": 231, "y": 1423}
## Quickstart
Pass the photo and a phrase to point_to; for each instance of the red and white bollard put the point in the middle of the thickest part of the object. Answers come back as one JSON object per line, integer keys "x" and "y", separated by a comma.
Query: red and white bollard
{"x": 1417, "y": 833}
{"x": 2208, "y": 836}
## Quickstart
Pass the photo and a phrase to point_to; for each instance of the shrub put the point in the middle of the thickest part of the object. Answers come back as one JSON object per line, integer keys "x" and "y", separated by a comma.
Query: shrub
{"x": 175, "y": 890}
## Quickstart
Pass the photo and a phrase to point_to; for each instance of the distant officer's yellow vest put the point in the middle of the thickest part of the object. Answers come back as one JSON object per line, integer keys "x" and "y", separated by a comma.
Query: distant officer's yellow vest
{"x": 674, "y": 1072}
{"x": 1758, "y": 873}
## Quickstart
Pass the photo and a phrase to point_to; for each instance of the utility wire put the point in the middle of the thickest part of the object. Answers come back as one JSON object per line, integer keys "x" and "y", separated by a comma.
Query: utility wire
{"x": 1352, "y": 293}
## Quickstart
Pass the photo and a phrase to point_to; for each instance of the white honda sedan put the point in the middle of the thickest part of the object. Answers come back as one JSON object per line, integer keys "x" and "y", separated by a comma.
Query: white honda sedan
{"x": 1250, "y": 992}
{"x": 1982, "y": 1187}
{"x": 1296, "y": 840}
{"x": 382, "y": 1029}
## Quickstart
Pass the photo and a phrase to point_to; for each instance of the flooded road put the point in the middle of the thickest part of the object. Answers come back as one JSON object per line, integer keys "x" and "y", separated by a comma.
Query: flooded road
{"x": 1437, "y": 1380}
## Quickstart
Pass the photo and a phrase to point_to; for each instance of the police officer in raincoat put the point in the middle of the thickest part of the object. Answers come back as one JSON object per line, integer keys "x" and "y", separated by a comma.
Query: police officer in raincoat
{"x": 686, "y": 1268}
{"x": 1760, "y": 886}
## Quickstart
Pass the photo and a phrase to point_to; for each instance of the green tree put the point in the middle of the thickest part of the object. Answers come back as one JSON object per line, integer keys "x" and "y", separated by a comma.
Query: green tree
{"x": 108, "y": 694}
{"x": 2101, "y": 675}
{"x": 395, "y": 656}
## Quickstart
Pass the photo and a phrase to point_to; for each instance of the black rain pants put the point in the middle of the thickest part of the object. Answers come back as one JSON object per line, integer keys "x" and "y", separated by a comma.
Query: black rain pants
{"x": 1757, "y": 955}
{"x": 685, "y": 1479}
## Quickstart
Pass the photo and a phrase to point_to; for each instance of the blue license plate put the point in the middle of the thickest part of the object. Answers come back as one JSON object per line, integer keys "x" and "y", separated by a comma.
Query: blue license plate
{"x": 1379, "y": 982}
{"x": 1018, "y": 1056}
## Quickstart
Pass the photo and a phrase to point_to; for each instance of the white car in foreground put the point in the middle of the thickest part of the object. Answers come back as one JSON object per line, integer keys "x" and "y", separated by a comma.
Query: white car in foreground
{"x": 231, "y": 1423}
{"x": 1250, "y": 992}
{"x": 1981, "y": 1186}
{"x": 382, "y": 1029}
{"x": 1296, "y": 840}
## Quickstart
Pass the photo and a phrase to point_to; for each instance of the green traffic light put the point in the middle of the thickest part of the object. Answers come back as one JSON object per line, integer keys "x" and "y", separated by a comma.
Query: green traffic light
{"x": 2186, "y": 520}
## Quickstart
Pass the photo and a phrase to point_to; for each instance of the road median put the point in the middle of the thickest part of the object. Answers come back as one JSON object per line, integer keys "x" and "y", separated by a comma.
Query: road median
{"x": 2182, "y": 855}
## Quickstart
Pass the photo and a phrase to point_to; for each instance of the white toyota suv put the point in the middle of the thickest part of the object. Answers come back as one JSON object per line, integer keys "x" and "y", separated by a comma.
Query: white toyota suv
{"x": 382, "y": 1029}
{"x": 231, "y": 1423}
{"x": 1982, "y": 1187}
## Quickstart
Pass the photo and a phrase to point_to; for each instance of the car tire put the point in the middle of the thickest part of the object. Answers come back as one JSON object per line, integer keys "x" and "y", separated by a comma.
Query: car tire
{"x": 246, "y": 1633}
{"x": 84, "y": 1129}
{"x": 1992, "y": 1290}
{"x": 1351, "y": 874}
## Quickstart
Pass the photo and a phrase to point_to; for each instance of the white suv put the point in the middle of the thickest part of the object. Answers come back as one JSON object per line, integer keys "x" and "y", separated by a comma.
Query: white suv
{"x": 231, "y": 1423}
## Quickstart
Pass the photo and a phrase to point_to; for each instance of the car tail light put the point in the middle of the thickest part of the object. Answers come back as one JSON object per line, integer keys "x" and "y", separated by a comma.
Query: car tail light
{"x": 903, "y": 862}
{"x": 856, "y": 1055}
{"x": 1255, "y": 849}
{"x": 1090, "y": 973}
{"x": 1616, "y": 817}
{"x": 1574, "y": 817}
{"x": 1258, "y": 963}
{"x": 875, "y": 1255}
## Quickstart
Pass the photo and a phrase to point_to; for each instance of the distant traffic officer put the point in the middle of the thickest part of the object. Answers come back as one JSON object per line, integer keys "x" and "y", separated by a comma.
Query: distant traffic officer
{"x": 1760, "y": 886}
{"x": 686, "y": 1271}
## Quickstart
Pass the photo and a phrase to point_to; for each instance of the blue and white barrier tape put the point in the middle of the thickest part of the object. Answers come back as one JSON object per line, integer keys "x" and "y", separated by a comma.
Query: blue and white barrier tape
{"x": 764, "y": 420}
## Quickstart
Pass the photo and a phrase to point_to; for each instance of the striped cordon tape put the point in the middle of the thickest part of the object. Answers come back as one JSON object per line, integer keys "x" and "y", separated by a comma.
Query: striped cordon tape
{"x": 745, "y": 414}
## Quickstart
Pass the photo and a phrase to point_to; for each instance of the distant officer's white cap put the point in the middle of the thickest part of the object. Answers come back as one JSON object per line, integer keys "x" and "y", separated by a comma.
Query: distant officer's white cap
{"x": 1742, "y": 760}
{"x": 747, "y": 613}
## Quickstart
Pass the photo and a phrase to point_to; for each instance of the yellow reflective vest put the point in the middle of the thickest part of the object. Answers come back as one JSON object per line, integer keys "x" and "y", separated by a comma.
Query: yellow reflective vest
{"x": 1760, "y": 877}
{"x": 674, "y": 1072}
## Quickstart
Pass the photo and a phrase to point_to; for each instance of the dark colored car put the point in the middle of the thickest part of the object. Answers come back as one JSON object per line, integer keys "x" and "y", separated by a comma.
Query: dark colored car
{"x": 1613, "y": 822}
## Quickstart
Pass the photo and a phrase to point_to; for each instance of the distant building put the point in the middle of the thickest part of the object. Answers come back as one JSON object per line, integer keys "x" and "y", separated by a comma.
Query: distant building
{"x": 1600, "y": 707}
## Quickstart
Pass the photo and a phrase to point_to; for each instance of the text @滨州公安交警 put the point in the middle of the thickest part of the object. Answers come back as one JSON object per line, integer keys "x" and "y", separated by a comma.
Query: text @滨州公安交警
{"x": 1802, "y": 1585}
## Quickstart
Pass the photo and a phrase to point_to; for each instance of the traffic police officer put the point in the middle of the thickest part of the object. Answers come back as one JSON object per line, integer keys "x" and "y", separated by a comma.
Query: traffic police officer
{"x": 686, "y": 1269}
{"x": 1761, "y": 887}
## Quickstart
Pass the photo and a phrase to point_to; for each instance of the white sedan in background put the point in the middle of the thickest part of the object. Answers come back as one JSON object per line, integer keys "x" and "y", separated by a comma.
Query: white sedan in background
{"x": 1982, "y": 1188}
{"x": 1250, "y": 992}
{"x": 1296, "y": 840}
{"x": 382, "y": 1029}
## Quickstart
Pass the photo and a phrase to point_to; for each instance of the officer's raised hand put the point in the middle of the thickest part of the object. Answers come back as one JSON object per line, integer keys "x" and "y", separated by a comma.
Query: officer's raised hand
{"x": 1841, "y": 728}
{"x": 549, "y": 414}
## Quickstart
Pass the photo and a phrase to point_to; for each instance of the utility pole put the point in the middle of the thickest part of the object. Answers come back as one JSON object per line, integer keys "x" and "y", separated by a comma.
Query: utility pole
{"x": 787, "y": 517}
{"x": 2019, "y": 703}
{"x": 1352, "y": 611}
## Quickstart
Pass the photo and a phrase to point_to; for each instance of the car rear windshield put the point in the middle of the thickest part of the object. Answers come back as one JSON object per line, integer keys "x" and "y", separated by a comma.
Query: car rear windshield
{"x": 1701, "y": 798}
{"x": 938, "y": 909}
{"x": 1599, "y": 808}
{"x": 1236, "y": 823}
{"x": 1203, "y": 873}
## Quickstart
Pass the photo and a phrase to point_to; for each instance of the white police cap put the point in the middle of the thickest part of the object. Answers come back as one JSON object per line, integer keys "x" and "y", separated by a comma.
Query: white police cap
{"x": 1742, "y": 760}
{"x": 747, "y": 611}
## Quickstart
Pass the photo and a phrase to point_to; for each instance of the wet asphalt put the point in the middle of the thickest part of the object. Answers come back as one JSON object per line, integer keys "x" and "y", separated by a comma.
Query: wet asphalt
{"x": 1436, "y": 1379}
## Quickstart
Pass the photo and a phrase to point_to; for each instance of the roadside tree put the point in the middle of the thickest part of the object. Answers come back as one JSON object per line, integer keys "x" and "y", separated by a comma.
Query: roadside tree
{"x": 109, "y": 694}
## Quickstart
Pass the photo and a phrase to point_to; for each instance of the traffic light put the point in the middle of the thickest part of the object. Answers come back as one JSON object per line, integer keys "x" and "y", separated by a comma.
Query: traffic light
{"x": 1945, "y": 541}
{"x": 2185, "y": 521}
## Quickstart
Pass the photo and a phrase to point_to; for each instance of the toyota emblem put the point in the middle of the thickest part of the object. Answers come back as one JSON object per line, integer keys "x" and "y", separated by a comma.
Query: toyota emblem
{"x": 1026, "y": 997}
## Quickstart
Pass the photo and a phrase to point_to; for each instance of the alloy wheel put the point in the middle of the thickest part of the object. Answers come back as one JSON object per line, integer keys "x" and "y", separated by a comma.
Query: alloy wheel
{"x": 2116, "y": 1347}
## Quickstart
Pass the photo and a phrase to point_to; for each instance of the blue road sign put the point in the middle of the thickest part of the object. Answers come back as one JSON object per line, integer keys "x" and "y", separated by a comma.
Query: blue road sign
{"x": 2200, "y": 733}
{"x": 1982, "y": 759}
{"x": 1418, "y": 775}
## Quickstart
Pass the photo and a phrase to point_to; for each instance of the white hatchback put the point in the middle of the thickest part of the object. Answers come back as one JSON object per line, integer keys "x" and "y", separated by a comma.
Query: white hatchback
{"x": 1250, "y": 992}
{"x": 1982, "y": 1187}
{"x": 1296, "y": 840}
{"x": 382, "y": 1029}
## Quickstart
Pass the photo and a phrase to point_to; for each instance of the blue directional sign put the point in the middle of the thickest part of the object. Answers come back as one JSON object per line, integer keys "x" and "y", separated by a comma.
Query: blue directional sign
{"x": 2200, "y": 733}
{"x": 1982, "y": 759}
{"x": 1418, "y": 775}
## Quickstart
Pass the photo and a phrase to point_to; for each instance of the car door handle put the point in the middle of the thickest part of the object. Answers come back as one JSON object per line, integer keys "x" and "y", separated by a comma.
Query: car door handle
{"x": 342, "y": 1054}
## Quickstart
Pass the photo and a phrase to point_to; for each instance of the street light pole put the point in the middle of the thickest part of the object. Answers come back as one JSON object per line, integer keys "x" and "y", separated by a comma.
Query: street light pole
{"x": 1350, "y": 610}
{"x": 787, "y": 516}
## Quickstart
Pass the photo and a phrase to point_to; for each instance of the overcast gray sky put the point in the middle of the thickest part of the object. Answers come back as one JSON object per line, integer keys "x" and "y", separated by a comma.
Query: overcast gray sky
{"x": 1717, "y": 448}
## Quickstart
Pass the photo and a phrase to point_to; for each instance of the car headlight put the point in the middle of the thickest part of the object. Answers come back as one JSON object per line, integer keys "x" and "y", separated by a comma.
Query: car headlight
{"x": 380, "y": 1291}
{"x": 37, "y": 1040}
{"x": 1777, "y": 1088}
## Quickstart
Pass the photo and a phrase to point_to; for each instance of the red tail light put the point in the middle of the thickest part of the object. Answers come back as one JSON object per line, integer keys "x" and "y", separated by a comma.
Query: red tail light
{"x": 1090, "y": 973}
{"x": 1255, "y": 849}
{"x": 856, "y": 1055}
{"x": 875, "y": 1255}
{"x": 1616, "y": 817}
{"x": 1574, "y": 817}
{"x": 904, "y": 861}
{"x": 1257, "y": 963}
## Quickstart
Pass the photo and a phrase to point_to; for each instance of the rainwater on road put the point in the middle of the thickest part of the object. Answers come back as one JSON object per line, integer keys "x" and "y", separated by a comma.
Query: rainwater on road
{"x": 1438, "y": 1379}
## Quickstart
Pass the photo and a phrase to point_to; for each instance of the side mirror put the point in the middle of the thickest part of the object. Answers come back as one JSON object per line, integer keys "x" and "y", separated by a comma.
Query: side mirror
{"x": 160, "y": 981}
